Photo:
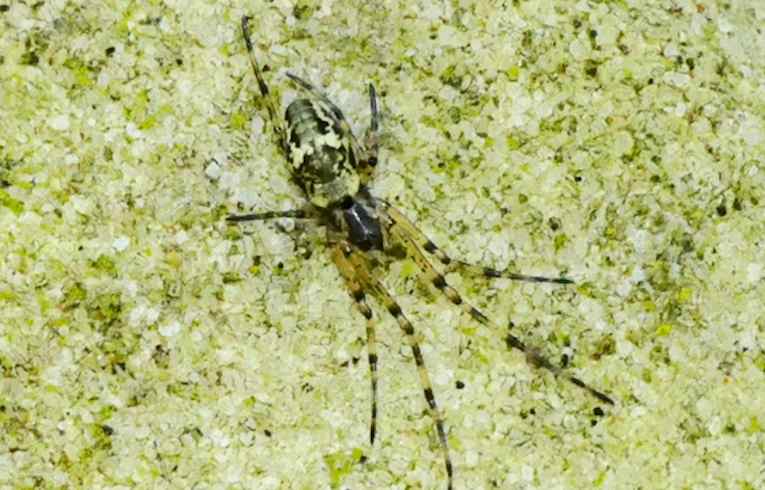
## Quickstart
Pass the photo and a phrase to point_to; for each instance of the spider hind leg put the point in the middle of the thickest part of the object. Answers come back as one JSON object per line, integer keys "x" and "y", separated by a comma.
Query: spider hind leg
{"x": 371, "y": 142}
{"x": 270, "y": 99}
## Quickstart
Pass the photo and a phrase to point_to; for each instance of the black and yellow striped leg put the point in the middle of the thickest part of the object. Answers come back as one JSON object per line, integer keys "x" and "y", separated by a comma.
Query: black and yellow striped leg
{"x": 371, "y": 137}
{"x": 356, "y": 266}
{"x": 408, "y": 235}
{"x": 271, "y": 104}
{"x": 290, "y": 213}
{"x": 358, "y": 295}
{"x": 424, "y": 243}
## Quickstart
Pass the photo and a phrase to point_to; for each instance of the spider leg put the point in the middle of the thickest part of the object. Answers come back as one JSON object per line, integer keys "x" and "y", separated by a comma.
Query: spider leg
{"x": 357, "y": 293}
{"x": 371, "y": 136}
{"x": 311, "y": 89}
{"x": 270, "y": 100}
{"x": 349, "y": 261}
{"x": 412, "y": 239}
{"x": 290, "y": 213}
{"x": 450, "y": 264}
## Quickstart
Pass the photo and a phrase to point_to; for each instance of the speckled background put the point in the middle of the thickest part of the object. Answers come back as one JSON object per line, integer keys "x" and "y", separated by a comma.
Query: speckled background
{"x": 144, "y": 343}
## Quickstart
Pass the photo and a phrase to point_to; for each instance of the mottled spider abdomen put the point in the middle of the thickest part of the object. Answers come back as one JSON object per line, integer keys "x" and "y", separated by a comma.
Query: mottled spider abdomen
{"x": 321, "y": 153}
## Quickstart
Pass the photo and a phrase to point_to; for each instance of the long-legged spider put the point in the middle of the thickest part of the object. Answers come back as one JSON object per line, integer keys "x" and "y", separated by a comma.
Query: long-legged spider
{"x": 332, "y": 167}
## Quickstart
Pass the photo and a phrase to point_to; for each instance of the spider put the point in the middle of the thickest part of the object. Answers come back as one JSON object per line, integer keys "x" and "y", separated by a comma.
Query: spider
{"x": 332, "y": 168}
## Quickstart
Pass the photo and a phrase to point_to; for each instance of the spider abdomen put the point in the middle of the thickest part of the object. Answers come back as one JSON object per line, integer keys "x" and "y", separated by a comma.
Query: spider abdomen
{"x": 321, "y": 154}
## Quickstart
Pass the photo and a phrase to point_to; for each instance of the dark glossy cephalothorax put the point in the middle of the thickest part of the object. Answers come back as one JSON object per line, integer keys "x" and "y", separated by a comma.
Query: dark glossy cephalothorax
{"x": 331, "y": 167}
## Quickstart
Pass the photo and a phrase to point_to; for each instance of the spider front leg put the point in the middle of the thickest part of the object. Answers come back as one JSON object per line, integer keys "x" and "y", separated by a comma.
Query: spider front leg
{"x": 357, "y": 293}
{"x": 413, "y": 239}
{"x": 355, "y": 267}
{"x": 424, "y": 243}
{"x": 270, "y": 100}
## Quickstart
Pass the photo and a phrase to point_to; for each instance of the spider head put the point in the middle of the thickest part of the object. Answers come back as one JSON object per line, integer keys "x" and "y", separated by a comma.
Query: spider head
{"x": 361, "y": 224}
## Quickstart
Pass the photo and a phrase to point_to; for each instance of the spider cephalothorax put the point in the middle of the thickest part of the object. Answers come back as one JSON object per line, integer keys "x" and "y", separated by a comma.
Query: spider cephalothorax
{"x": 331, "y": 167}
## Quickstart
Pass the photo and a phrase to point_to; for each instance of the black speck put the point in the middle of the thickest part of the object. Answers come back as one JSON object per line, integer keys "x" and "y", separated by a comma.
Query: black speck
{"x": 527, "y": 39}
{"x": 460, "y": 385}
{"x": 301, "y": 11}
{"x": 721, "y": 209}
{"x": 267, "y": 433}
{"x": 5, "y": 8}
{"x": 30, "y": 58}
{"x": 598, "y": 412}
{"x": 687, "y": 244}
{"x": 110, "y": 50}
{"x": 577, "y": 178}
